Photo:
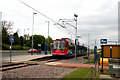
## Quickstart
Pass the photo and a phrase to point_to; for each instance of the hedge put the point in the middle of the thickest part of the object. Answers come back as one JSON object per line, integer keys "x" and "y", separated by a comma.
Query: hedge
{"x": 14, "y": 47}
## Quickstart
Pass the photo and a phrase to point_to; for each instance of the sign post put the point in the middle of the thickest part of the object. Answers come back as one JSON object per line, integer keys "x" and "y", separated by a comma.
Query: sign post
{"x": 95, "y": 57}
{"x": 103, "y": 41}
{"x": 11, "y": 40}
{"x": 45, "y": 49}
{"x": 39, "y": 49}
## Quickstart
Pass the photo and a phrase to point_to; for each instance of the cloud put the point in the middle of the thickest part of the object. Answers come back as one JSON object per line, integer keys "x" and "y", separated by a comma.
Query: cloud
{"x": 97, "y": 17}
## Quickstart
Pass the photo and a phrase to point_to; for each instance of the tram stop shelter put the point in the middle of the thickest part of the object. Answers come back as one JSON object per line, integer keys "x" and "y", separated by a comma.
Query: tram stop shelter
{"x": 111, "y": 57}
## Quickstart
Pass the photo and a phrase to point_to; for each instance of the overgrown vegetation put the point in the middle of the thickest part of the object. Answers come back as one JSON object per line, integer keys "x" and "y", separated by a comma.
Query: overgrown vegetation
{"x": 91, "y": 61}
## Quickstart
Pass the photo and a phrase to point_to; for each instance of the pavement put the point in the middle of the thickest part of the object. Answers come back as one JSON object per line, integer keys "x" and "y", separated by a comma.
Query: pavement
{"x": 76, "y": 65}
{"x": 80, "y": 65}
{"x": 105, "y": 77}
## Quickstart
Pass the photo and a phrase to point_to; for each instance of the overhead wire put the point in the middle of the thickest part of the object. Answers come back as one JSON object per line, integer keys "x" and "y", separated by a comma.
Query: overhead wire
{"x": 36, "y": 11}
{"x": 47, "y": 16}
{"x": 39, "y": 12}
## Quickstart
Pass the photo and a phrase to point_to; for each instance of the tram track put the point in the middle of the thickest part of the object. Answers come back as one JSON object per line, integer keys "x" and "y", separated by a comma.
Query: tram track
{"x": 37, "y": 61}
{"x": 14, "y": 66}
{"x": 32, "y": 62}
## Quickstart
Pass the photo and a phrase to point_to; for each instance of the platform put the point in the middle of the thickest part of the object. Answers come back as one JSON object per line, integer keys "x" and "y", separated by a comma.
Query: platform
{"x": 22, "y": 58}
{"x": 80, "y": 65}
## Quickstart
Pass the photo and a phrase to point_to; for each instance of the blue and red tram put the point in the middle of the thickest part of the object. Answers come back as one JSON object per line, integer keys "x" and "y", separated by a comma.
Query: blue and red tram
{"x": 65, "y": 47}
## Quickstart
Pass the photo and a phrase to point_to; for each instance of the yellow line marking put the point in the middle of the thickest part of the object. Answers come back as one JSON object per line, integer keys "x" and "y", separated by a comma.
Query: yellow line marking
{"x": 32, "y": 58}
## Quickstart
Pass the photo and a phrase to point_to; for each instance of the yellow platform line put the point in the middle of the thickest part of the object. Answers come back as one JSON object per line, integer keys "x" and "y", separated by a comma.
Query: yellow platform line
{"x": 32, "y": 58}
{"x": 53, "y": 63}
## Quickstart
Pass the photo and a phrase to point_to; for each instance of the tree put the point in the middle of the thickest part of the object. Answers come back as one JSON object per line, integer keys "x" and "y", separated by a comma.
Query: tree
{"x": 6, "y": 31}
{"x": 37, "y": 39}
{"x": 50, "y": 41}
{"x": 5, "y": 36}
{"x": 21, "y": 40}
{"x": 16, "y": 38}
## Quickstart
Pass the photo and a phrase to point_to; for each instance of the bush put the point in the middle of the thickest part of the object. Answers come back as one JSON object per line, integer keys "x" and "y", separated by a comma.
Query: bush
{"x": 27, "y": 48}
{"x": 17, "y": 47}
{"x": 5, "y": 47}
{"x": 89, "y": 62}
{"x": 14, "y": 47}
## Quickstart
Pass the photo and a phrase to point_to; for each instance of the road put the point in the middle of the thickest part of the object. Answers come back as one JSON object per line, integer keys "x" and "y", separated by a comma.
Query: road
{"x": 14, "y": 54}
{"x": 6, "y": 56}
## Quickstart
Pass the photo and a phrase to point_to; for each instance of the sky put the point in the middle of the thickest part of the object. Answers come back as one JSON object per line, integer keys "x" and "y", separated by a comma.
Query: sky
{"x": 98, "y": 18}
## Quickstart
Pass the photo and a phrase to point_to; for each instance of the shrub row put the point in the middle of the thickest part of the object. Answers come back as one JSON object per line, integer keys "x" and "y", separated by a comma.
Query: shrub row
{"x": 14, "y": 47}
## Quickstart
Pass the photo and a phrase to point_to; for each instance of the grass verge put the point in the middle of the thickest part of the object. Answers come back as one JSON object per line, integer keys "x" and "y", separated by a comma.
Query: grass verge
{"x": 84, "y": 74}
{"x": 79, "y": 73}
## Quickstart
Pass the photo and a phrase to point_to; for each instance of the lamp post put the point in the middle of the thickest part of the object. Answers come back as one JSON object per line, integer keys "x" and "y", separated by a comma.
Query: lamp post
{"x": 48, "y": 37}
{"x": 76, "y": 35}
{"x": 24, "y": 38}
{"x": 1, "y": 25}
{"x": 88, "y": 45}
{"x": 33, "y": 32}
{"x": 0, "y": 16}
{"x": 1, "y": 38}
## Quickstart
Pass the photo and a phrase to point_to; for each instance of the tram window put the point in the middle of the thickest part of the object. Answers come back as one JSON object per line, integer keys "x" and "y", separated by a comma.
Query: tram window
{"x": 62, "y": 45}
{"x": 59, "y": 45}
{"x": 56, "y": 44}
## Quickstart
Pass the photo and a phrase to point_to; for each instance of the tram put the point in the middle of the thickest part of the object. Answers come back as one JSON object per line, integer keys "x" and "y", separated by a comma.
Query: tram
{"x": 66, "y": 47}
